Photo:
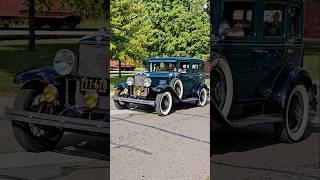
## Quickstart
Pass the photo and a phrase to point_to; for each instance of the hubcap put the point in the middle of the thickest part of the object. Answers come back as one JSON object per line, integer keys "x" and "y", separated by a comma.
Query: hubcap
{"x": 165, "y": 103}
{"x": 296, "y": 111}
{"x": 219, "y": 87}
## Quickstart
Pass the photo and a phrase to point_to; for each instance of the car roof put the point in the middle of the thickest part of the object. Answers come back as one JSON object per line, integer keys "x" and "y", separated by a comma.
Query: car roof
{"x": 172, "y": 59}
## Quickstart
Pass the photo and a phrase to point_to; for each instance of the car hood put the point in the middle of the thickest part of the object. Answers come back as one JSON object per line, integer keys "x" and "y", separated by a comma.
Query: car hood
{"x": 157, "y": 76}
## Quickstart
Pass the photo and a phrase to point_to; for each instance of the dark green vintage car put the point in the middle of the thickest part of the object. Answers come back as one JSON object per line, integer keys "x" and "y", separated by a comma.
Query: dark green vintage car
{"x": 257, "y": 66}
{"x": 166, "y": 81}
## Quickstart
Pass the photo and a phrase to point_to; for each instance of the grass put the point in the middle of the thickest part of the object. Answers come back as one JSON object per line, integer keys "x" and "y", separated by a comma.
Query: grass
{"x": 14, "y": 58}
{"x": 312, "y": 61}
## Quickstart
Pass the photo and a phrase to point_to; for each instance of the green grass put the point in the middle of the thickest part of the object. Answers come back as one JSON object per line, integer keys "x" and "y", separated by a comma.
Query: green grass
{"x": 14, "y": 58}
{"x": 312, "y": 61}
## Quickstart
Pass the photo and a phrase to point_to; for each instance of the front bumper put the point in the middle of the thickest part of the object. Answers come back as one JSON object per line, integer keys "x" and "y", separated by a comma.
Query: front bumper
{"x": 135, "y": 101}
{"x": 58, "y": 121}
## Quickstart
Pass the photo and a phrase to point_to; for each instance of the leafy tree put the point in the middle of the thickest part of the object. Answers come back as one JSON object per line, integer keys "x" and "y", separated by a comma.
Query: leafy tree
{"x": 182, "y": 28}
{"x": 149, "y": 28}
{"x": 131, "y": 30}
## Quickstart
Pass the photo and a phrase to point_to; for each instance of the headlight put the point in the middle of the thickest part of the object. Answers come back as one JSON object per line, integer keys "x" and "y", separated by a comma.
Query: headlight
{"x": 50, "y": 93}
{"x": 64, "y": 61}
{"x": 147, "y": 82}
{"x": 130, "y": 81}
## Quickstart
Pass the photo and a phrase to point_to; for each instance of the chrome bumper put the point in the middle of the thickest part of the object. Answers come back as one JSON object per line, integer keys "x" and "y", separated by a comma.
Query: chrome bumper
{"x": 135, "y": 101}
{"x": 58, "y": 121}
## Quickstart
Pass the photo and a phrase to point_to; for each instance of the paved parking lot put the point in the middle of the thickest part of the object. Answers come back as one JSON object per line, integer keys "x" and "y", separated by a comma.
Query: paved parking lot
{"x": 76, "y": 157}
{"x": 147, "y": 146}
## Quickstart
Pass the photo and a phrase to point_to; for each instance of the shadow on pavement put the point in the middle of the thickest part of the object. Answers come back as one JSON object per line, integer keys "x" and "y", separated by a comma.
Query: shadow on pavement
{"x": 87, "y": 146}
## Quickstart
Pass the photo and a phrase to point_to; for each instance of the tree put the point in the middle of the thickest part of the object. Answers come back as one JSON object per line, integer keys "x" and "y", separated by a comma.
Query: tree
{"x": 32, "y": 36}
{"x": 150, "y": 28}
{"x": 183, "y": 28}
{"x": 131, "y": 30}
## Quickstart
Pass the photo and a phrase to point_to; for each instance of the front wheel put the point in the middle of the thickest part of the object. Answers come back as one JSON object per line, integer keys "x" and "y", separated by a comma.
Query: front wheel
{"x": 295, "y": 116}
{"x": 163, "y": 103}
{"x": 33, "y": 137}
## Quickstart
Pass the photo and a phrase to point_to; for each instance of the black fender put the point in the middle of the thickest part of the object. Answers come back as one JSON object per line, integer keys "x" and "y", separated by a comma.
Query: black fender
{"x": 43, "y": 75}
{"x": 288, "y": 79}
{"x": 162, "y": 88}
{"x": 121, "y": 86}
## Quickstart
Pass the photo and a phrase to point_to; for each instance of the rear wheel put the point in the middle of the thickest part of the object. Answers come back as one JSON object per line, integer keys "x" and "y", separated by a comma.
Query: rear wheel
{"x": 203, "y": 97}
{"x": 118, "y": 104}
{"x": 33, "y": 137}
{"x": 177, "y": 86}
{"x": 295, "y": 116}
{"x": 163, "y": 103}
{"x": 222, "y": 88}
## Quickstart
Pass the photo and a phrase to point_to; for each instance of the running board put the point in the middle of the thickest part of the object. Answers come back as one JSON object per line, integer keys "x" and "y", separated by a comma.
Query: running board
{"x": 188, "y": 100}
{"x": 256, "y": 120}
{"x": 251, "y": 120}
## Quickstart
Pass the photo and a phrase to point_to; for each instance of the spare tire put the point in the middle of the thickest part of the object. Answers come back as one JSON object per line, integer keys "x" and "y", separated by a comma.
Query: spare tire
{"x": 177, "y": 86}
{"x": 222, "y": 85}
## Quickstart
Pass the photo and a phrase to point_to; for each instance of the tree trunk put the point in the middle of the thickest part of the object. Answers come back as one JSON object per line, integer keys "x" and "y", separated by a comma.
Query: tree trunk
{"x": 119, "y": 69}
{"x": 32, "y": 36}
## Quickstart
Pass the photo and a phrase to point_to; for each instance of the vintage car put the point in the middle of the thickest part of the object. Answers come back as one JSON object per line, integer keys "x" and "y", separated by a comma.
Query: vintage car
{"x": 70, "y": 96}
{"x": 165, "y": 82}
{"x": 257, "y": 66}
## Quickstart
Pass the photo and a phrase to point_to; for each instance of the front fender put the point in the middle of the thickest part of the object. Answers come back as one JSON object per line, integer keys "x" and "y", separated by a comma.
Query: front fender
{"x": 162, "y": 88}
{"x": 287, "y": 81}
{"x": 43, "y": 75}
{"x": 121, "y": 86}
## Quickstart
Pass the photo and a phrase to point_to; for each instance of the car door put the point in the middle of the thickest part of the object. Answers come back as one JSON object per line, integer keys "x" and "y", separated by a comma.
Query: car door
{"x": 186, "y": 76}
{"x": 198, "y": 74}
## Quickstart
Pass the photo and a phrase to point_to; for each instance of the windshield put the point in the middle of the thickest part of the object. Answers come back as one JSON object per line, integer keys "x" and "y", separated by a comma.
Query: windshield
{"x": 162, "y": 66}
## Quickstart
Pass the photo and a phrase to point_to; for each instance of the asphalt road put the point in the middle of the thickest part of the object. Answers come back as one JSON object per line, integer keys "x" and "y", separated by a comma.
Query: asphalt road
{"x": 147, "y": 146}
{"x": 76, "y": 157}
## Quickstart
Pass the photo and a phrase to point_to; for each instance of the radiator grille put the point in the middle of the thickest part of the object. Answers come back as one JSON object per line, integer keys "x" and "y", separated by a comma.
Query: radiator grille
{"x": 92, "y": 61}
{"x": 139, "y": 80}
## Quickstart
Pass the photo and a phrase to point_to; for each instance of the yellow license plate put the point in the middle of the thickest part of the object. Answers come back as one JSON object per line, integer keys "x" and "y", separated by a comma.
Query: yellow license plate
{"x": 100, "y": 85}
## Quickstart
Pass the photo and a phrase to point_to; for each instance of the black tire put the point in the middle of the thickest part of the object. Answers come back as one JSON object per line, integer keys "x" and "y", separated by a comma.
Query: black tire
{"x": 203, "y": 97}
{"x": 22, "y": 131}
{"x": 164, "y": 103}
{"x": 177, "y": 86}
{"x": 120, "y": 105}
{"x": 296, "y": 114}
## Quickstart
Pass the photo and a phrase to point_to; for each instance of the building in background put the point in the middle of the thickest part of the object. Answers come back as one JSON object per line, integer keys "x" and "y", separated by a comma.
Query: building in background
{"x": 312, "y": 20}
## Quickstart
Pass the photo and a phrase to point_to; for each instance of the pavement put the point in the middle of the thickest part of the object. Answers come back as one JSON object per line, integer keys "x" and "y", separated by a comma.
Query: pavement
{"x": 147, "y": 146}
{"x": 76, "y": 156}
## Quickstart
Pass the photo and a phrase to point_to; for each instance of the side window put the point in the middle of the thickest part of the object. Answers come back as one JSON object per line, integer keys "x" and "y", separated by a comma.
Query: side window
{"x": 237, "y": 20}
{"x": 273, "y": 20}
{"x": 184, "y": 66}
{"x": 196, "y": 68}
{"x": 294, "y": 15}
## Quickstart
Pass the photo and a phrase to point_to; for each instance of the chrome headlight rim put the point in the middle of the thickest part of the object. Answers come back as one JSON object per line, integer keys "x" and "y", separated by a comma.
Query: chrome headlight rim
{"x": 147, "y": 82}
{"x": 130, "y": 81}
{"x": 64, "y": 62}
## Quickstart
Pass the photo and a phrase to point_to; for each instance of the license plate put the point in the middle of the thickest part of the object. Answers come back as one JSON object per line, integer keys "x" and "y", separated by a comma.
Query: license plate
{"x": 100, "y": 85}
